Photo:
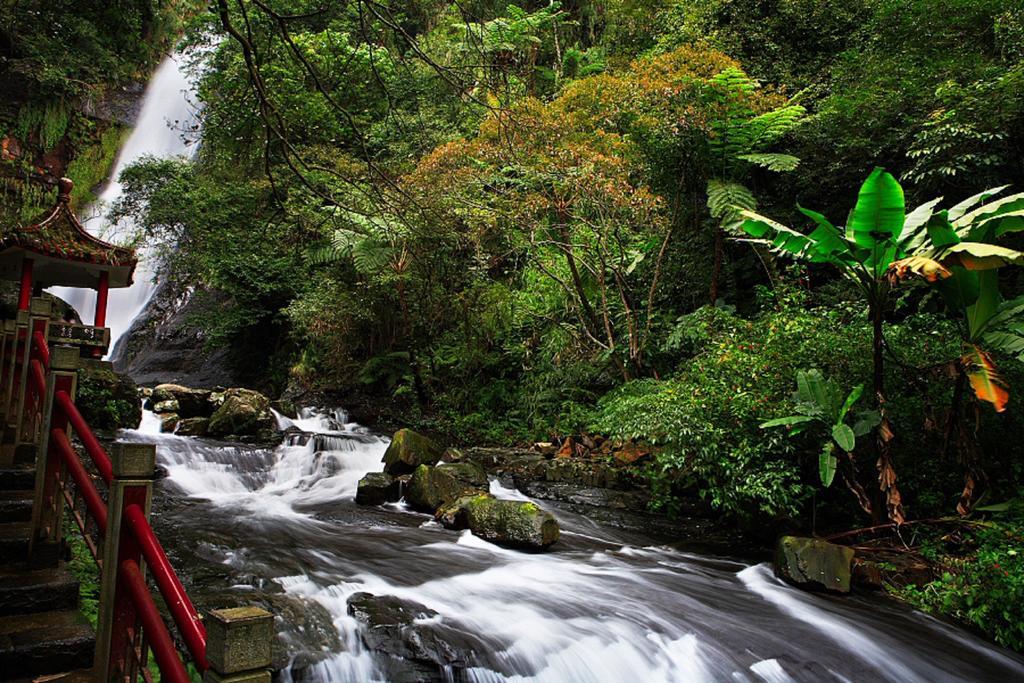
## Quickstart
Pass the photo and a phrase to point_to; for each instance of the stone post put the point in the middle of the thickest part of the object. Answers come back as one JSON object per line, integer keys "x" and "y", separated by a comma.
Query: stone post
{"x": 49, "y": 503}
{"x": 133, "y": 465}
{"x": 238, "y": 644}
{"x": 39, "y": 317}
{"x": 6, "y": 352}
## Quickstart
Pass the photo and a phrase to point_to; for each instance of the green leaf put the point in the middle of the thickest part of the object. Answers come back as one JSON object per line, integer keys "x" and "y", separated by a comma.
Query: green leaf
{"x": 844, "y": 436}
{"x": 811, "y": 388}
{"x": 869, "y": 419}
{"x": 827, "y": 464}
{"x": 917, "y": 219}
{"x": 966, "y": 205}
{"x": 980, "y": 256}
{"x": 852, "y": 398}
{"x": 726, "y": 198}
{"x": 773, "y": 162}
{"x": 787, "y": 421}
{"x": 981, "y": 312}
{"x": 879, "y": 214}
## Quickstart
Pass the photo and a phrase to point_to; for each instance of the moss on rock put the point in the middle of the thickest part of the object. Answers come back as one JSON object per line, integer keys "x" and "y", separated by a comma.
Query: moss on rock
{"x": 408, "y": 450}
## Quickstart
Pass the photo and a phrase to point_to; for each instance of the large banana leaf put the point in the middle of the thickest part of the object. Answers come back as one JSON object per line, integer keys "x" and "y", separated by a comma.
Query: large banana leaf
{"x": 827, "y": 464}
{"x": 961, "y": 289}
{"x": 978, "y": 256}
{"x": 966, "y": 205}
{"x": 1011, "y": 202}
{"x": 913, "y": 236}
{"x": 985, "y": 307}
{"x": 988, "y": 384}
{"x": 879, "y": 213}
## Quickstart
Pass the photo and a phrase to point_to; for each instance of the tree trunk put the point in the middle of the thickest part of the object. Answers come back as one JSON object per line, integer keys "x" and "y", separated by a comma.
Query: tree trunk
{"x": 716, "y": 271}
{"x": 889, "y": 494}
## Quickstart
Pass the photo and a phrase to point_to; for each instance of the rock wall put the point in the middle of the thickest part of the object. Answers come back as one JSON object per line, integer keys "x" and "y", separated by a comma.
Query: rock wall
{"x": 163, "y": 345}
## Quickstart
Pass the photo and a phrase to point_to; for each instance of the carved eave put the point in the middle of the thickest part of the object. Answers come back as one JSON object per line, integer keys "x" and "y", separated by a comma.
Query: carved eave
{"x": 63, "y": 251}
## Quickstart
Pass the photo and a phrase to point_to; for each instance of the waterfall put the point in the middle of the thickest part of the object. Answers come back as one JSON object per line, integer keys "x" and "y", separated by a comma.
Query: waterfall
{"x": 166, "y": 111}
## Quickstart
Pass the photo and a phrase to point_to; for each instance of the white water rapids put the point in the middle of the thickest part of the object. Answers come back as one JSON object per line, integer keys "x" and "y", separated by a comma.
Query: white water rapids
{"x": 603, "y": 605}
{"x": 167, "y": 110}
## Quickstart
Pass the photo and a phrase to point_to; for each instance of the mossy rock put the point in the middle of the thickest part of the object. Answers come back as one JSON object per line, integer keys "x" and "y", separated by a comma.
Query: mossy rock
{"x": 191, "y": 402}
{"x": 377, "y": 488}
{"x": 107, "y": 400}
{"x": 192, "y": 426}
{"x": 513, "y": 523}
{"x": 408, "y": 450}
{"x": 813, "y": 564}
{"x": 433, "y": 487}
{"x": 243, "y": 413}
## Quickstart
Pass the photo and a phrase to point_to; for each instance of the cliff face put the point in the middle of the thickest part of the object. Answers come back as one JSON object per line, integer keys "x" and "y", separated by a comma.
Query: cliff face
{"x": 163, "y": 345}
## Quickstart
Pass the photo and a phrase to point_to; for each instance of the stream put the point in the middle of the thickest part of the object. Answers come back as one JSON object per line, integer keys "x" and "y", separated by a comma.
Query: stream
{"x": 603, "y": 605}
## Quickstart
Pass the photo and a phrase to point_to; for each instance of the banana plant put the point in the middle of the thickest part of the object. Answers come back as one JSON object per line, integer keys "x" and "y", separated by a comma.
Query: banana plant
{"x": 862, "y": 252}
{"x": 881, "y": 243}
{"x": 820, "y": 405}
{"x": 955, "y": 250}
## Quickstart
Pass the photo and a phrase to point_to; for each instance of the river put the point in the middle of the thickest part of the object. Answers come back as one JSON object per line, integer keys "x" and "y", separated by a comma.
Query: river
{"x": 603, "y": 605}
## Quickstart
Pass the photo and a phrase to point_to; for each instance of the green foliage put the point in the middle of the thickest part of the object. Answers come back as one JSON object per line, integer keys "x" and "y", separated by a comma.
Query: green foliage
{"x": 820, "y": 402}
{"x": 983, "y": 587}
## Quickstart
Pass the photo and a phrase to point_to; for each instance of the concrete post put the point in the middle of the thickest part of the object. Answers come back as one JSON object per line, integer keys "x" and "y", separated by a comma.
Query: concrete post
{"x": 238, "y": 644}
{"x": 47, "y": 510}
{"x": 134, "y": 465}
{"x": 39, "y": 318}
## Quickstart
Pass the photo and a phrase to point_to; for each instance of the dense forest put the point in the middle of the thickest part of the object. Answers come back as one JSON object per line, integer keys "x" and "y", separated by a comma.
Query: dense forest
{"x": 507, "y": 223}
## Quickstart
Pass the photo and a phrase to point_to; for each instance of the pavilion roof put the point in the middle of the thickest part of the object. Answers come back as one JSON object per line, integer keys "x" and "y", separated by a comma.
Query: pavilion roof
{"x": 70, "y": 255}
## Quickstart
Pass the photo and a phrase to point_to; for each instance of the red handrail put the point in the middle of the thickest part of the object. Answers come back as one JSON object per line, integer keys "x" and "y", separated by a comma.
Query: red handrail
{"x": 184, "y": 613}
{"x": 38, "y": 378}
{"x": 93, "y": 502}
{"x": 85, "y": 435}
{"x": 41, "y": 348}
{"x": 171, "y": 668}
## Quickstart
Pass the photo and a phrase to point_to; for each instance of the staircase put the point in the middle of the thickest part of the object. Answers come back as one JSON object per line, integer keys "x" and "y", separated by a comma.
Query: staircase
{"x": 42, "y": 631}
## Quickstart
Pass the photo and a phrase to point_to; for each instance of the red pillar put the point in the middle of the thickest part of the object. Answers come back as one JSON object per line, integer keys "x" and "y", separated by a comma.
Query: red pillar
{"x": 101, "y": 299}
{"x": 25, "y": 297}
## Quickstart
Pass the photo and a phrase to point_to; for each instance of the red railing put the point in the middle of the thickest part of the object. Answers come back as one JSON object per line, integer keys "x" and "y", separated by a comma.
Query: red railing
{"x": 136, "y": 627}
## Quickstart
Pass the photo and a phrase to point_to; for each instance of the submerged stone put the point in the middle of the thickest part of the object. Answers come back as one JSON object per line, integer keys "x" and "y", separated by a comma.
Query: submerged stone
{"x": 377, "y": 488}
{"x": 432, "y": 487}
{"x": 813, "y": 564}
{"x": 408, "y": 450}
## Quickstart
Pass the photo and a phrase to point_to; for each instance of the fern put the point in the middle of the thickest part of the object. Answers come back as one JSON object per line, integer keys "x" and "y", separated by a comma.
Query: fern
{"x": 773, "y": 162}
{"x": 727, "y": 199}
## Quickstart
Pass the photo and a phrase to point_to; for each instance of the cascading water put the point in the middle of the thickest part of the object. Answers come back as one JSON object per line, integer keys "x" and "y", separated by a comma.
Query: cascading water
{"x": 603, "y": 606}
{"x": 167, "y": 111}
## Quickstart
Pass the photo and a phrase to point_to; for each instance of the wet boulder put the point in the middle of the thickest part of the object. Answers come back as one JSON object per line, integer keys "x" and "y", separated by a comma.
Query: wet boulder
{"x": 244, "y": 412}
{"x": 408, "y": 450}
{"x": 813, "y": 564}
{"x": 168, "y": 422}
{"x": 191, "y": 402}
{"x": 513, "y": 523}
{"x": 192, "y": 426}
{"x": 395, "y": 627}
{"x": 432, "y": 487}
{"x": 377, "y": 488}
{"x": 169, "y": 406}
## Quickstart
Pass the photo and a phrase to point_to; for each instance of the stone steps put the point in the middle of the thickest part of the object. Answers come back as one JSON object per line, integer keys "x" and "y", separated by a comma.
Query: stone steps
{"x": 24, "y": 590}
{"x": 16, "y": 506}
{"x": 44, "y": 643}
{"x": 17, "y": 478}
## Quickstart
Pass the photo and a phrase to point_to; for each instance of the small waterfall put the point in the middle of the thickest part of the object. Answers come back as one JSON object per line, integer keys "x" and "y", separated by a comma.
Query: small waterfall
{"x": 166, "y": 111}
{"x": 603, "y": 606}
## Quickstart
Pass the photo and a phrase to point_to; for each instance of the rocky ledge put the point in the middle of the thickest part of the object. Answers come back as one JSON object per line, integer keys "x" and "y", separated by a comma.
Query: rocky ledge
{"x": 436, "y": 481}
{"x": 233, "y": 414}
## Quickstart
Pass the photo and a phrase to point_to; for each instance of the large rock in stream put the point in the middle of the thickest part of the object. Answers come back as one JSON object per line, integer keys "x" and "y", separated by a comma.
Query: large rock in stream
{"x": 191, "y": 403}
{"x": 433, "y": 487}
{"x": 243, "y": 412}
{"x": 411, "y": 633}
{"x": 408, "y": 450}
{"x": 513, "y": 523}
{"x": 813, "y": 564}
{"x": 377, "y": 488}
